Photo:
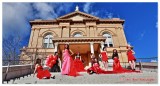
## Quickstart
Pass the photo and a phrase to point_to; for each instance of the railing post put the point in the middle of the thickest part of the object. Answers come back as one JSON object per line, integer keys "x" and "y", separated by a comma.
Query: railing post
{"x": 140, "y": 66}
{"x": 7, "y": 71}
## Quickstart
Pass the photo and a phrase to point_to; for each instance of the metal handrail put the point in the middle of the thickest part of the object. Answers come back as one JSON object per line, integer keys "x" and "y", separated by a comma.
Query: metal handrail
{"x": 30, "y": 71}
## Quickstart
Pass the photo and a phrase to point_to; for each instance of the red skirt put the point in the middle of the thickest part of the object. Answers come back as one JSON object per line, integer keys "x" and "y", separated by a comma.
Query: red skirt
{"x": 73, "y": 71}
{"x": 117, "y": 68}
{"x": 79, "y": 65}
{"x": 131, "y": 57}
{"x": 43, "y": 73}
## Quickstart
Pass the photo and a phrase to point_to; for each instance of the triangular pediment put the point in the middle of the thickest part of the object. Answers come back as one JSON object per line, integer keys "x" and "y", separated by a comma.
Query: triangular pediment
{"x": 77, "y": 15}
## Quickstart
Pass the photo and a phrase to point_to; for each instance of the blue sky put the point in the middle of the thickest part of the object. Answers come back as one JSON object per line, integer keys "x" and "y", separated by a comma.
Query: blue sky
{"x": 141, "y": 20}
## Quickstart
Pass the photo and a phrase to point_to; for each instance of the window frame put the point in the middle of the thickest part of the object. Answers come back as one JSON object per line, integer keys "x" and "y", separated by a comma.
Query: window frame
{"x": 78, "y": 33}
{"x": 107, "y": 42}
{"x": 49, "y": 40}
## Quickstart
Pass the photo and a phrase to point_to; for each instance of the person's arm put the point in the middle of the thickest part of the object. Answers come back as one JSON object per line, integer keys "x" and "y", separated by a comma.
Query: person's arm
{"x": 71, "y": 52}
{"x": 35, "y": 69}
{"x": 133, "y": 52}
{"x": 80, "y": 57}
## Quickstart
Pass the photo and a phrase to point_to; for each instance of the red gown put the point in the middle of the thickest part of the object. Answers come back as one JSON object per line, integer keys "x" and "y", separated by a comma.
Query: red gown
{"x": 73, "y": 71}
{"x": 79, "y": 65}
{"x": 130, "y": 55}
{"x": 42, "y": 73}
{"x": 96, "y": 69}
{"x": 116, "y": 68}
{"x": 104, "y": 56}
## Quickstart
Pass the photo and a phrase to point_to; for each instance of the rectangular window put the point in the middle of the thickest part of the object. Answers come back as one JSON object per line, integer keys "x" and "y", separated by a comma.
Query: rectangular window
{"x": 50, "y": 45}
{"x": 110, "y": 45}
{"x": 50, "y": 40}
{"x": 45, "y": 45}
{"x": 46, "y": 40}
{"x": 105, "y": 45}
{"x": 109, "y": 36}
{"x": 109, "y": 39}
{"x": 110, "y": 42}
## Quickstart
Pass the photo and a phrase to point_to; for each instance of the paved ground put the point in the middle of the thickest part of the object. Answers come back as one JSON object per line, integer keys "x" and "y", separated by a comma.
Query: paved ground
{"x": 125, "y": 78}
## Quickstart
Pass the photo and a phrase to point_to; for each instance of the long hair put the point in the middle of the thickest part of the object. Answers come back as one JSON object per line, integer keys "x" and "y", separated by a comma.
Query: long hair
{"x": 115, "y": 52}
{"x": 97, "y": 61}
{"x": 55, "y": 53}
{"x": 104, "y": 48}
{"x": 38, "y": 61}
{"x": 67, "y": 46}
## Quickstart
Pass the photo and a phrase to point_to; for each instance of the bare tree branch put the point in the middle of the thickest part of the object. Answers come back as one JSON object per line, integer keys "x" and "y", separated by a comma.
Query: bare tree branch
{"x": 11, "y": 47}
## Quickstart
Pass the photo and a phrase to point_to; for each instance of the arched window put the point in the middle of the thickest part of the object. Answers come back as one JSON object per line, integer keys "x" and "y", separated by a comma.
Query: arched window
{"x": 48, "y": 41}
{"x": 108, "y": 41}
{"x": 78, "y": 34}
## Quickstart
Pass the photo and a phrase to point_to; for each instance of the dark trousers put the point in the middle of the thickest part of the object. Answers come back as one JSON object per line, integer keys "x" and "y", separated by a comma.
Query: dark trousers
{"x": 55, "y": 68}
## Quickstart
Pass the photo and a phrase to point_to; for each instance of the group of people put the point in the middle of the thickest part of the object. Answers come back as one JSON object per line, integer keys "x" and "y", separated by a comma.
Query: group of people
{"x": 71, "y": 67}
{"x": 52, "y": 62}
{"x": 117, "y": 68}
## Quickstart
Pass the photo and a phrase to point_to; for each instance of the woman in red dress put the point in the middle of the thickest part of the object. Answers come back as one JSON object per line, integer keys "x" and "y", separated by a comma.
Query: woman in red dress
{"x": 117, "y": 68}
{"x": 96, "y": 69}
{"x": 131, "y": 58}
{"x": 40, "y": 72}
{"x": 104, "y": 57}
{"x": 78, "y": 63}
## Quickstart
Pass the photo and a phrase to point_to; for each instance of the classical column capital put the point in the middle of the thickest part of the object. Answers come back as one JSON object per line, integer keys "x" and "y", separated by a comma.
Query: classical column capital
{"x": 91, "y": 43}
{"x": 67, "y": 26}
{"x": 87, "y": 26}
{"x": 56, "y": 43}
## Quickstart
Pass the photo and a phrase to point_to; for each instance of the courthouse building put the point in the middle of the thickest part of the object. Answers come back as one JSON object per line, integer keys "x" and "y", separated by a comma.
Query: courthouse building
{"x": 85, "y": 33}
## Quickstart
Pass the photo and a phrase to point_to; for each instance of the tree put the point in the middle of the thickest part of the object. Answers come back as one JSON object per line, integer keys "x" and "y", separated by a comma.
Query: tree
{"x": 11, "y": 47}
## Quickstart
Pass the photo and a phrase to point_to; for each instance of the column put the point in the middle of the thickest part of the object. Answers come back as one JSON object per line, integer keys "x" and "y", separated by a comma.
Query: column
{"x": 102, "y": 45}
{"x": 35, "y": 37}
{"x": 87, "y": 31}
{"x": 92, "y": 47}
{"x": 92, "y": 51}
{"x": 31, "y": 38}
{"x": 40, "y": 42}
{"x": 124, "y": 37}
{"x": 55, "y": 47}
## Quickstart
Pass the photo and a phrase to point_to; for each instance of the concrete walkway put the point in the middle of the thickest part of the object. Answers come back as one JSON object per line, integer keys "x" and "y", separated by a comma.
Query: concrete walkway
{"x": 125, "y": 78}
